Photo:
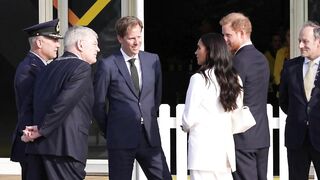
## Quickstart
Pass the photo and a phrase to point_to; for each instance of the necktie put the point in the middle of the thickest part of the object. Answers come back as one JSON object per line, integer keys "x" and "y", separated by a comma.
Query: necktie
{"x": 309, "y": 79}
{"x": 134, "y": 75}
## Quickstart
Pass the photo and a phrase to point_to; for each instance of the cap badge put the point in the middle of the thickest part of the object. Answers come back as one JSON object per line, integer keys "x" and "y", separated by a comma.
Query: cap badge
{"x": 58, "y": 27}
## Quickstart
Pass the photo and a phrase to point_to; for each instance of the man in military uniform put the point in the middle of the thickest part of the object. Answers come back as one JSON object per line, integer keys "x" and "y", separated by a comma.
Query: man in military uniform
{"x": 44, "y": 45}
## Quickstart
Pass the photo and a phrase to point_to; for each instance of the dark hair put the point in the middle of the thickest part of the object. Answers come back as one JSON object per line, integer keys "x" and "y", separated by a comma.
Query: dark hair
{"x": 219, "y": 59}
{"x": 124, "y": 23}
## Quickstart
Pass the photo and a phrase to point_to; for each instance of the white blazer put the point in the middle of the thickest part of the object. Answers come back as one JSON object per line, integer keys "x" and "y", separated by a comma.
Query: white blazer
{"x": 210, "y": 143}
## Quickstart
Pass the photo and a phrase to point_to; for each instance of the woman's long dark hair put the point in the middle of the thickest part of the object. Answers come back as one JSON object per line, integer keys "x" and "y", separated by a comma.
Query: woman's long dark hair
{"x": 219, "y": 59}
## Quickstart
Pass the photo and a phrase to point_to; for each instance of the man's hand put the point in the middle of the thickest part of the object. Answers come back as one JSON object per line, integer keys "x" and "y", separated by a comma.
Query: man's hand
{"x": 30, "y": 133}
{"x": 25, "y": 138}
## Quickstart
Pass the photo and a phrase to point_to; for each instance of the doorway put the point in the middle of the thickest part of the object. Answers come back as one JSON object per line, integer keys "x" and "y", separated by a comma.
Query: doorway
{"x": 174, "y": 27}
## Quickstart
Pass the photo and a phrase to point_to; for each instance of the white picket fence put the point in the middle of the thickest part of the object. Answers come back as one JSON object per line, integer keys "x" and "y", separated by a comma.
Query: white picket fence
{"x": 166, "y": 123}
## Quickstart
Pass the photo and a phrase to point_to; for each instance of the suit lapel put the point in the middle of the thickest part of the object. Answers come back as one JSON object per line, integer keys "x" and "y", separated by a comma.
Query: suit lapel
{"x": 316, "y": 87}
{"x": 317, "y": 78}
{"x": 299, "y": 74}
{"x": 143, "y": 71}
{"x": 119, "y": 61}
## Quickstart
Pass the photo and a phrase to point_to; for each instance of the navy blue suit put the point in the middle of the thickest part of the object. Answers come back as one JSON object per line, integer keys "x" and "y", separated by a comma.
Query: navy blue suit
{"x": 302, "y": 131}
{"x": 63, "y": 101}
{"x": 118, "y": 110}
{"x": 24, "y": 80}
{"x": 252, "y": 67}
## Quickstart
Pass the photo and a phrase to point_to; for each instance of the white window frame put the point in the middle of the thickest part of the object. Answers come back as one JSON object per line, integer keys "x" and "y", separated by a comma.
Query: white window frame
{"x": 128, "y": 7}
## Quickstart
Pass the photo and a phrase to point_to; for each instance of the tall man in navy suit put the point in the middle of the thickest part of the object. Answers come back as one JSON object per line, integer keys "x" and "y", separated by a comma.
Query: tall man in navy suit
{"x": 63, "y": 99}
{"x": 127, "y": 97}
{"x": 252, "y": 147}
{"x": 300, "y": 100}
{"x": 44, "y": 45}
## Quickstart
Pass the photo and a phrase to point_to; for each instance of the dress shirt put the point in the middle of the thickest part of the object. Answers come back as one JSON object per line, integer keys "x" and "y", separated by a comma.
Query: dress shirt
{"x": 136, "y": 63}
{"x": 244, "y": 44}
{"x": 138, "y": 66}
{"x": 306, "y": 64}
{"x": 44, "y": 61}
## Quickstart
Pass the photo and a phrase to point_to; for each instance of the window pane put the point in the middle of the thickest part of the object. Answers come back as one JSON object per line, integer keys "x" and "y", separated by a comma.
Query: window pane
{"x": 313, "y": 10}
{"x": 103, "y": 23}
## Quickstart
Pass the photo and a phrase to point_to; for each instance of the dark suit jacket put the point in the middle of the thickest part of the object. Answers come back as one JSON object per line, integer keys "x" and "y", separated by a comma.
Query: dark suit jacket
{"x": 115, "y": 92}
{"x": 63, "y": 100}
{"x": 24, "y": 80}
{"x": 253, "y": 69}
{"x": 294, "y": 103}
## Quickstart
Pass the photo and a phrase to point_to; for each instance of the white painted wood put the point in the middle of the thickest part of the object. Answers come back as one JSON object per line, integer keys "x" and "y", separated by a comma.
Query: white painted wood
{"x": 45, "y": 10}
{"x": 272, "y": 124}
{"x": 181, "y": 145}
{"x": 284, "y": 174}
{"x": 98, "y": 166}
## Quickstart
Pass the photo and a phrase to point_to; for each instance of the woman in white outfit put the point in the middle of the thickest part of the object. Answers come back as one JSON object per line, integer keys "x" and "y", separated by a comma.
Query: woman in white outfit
{"x": 213, "y": 93}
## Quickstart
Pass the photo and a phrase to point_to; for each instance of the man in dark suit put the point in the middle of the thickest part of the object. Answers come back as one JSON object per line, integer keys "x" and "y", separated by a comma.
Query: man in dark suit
{"x": 300, "y": 100}
{"x": 63, "y": 100}
{"x": 252, "y": 147}
{"x": 44, "y": 45}
{"x": 127, "y": 97}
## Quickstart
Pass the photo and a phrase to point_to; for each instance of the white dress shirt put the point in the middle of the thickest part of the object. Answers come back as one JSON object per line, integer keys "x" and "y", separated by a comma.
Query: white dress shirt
{"x": 306, "y": 64}
{"x": 136, "y": 63}
{"x": 44, "y": 62}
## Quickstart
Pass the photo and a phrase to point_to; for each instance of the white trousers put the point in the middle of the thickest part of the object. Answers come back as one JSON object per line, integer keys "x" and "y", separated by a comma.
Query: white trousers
{"x": 210, "y": 175}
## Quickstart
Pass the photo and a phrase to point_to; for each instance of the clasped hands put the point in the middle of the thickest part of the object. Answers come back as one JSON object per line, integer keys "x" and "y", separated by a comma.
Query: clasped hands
{"x": 30, "y": 133}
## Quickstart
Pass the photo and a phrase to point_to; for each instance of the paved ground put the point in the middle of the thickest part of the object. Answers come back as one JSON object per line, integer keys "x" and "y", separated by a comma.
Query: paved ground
{"x": 3, "y": 177}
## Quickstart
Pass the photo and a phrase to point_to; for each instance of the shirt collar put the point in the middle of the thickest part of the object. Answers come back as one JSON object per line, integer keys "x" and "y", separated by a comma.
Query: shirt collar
{"x": 306, "y": 60}
{"x": 44, "y": 61}
{"x": 126, "y": 57}
{"x": 244, "y": 44}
